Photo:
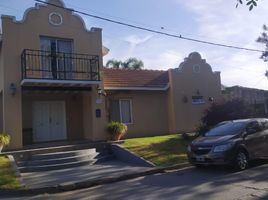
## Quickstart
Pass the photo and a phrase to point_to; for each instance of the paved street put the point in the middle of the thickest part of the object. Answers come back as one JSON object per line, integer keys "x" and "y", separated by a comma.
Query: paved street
{"x": 190, "y": 184}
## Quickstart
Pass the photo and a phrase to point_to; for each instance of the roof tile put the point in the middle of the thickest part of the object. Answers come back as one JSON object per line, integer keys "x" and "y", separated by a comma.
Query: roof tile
{"x": 135, "y": 78}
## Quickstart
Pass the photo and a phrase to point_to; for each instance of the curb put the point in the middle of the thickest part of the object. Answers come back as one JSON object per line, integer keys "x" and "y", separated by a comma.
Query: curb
{"x": 90, "y": 183}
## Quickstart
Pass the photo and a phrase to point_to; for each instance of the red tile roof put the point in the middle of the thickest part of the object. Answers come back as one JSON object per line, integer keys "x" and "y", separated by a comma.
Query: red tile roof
{"x": 134, "y": 78}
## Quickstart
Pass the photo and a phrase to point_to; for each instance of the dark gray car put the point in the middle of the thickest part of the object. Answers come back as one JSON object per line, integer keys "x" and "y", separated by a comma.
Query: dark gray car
{"x": 231, "y": 143}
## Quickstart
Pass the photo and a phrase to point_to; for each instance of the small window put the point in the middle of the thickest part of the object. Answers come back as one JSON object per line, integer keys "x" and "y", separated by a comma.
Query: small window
{"x": 121, "y": 110}
{"x": 196, "y": 68}
{"x": 196, "y": 100}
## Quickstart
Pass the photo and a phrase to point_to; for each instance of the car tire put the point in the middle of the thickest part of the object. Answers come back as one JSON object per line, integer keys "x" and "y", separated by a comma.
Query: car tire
{"x": 241, "y": 160}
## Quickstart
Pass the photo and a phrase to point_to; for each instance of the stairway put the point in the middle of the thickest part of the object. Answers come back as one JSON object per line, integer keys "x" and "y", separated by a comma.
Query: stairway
{"x": 64, "y": 158}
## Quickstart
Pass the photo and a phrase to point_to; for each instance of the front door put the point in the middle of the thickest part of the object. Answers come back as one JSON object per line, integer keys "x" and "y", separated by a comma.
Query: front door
{"x": 49, "y": 121}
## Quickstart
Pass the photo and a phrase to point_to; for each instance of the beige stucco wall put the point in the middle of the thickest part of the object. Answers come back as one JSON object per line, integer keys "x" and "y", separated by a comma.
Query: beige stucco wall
{"x": 26, "y": 35}
{"x": 185, "y": 83}
{"x": 1, "y": 112}
{"x": 1, "y": 69}
{"x": 149, "y": 112}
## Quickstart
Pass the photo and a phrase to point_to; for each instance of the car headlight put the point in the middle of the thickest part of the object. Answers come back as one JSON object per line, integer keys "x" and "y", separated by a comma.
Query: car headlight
{"x": 221, "y": 148}
{"x": 189, "y": 148}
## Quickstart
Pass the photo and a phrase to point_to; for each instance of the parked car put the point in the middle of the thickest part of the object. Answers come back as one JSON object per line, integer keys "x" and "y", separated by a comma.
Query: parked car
{"x": 231, "y": 143}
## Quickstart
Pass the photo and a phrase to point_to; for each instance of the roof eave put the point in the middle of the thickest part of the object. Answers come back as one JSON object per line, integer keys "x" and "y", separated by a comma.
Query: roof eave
{"x": 139, "y": 88}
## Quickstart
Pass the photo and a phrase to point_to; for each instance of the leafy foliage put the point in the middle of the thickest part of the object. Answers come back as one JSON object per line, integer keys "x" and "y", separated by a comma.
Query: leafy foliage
{"x": 4, "y": 139}
{"x": 116, "y": 128}
{"x": 113, "y": 63}
{"x": 131, "y": 63}
{"x": 8, "y": 178}
{"x": 228, "y": 110}
{"x": 250, "y": 3}
{"x": 264, "y": 40}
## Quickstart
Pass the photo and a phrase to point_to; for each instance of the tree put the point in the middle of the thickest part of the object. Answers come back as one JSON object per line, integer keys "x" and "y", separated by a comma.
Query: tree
{"x": 224, "y": 111}
{"x": 131, "y": 63}
{"x": 113, "y": 64}
{"x": 264, "y": 40}
{"x": 250, "y": 3}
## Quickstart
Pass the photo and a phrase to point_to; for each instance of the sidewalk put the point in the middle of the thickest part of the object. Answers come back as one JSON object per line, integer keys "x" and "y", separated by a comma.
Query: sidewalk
{"x": 84, "y": 177}
{"x": 69, "y": 176}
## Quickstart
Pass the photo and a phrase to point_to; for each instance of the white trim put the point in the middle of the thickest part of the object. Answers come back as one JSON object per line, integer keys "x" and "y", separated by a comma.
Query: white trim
{"x": 130, "y": 107}
{"x": 51, "y": 21}
{"x": 59, "y": 81}
{"x": 138, "y": 88}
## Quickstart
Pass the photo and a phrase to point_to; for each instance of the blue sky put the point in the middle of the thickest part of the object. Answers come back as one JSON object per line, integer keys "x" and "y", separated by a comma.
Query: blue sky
{"x": 216, "y": 21}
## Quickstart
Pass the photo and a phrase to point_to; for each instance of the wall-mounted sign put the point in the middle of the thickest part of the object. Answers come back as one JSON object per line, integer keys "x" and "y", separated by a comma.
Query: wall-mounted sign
{"x": 98, "y": 101}
{"x": 55, "y": 19}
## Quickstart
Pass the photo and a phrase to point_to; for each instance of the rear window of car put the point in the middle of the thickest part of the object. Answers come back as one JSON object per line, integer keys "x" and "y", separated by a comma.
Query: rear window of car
{"x": 227, "y": 128}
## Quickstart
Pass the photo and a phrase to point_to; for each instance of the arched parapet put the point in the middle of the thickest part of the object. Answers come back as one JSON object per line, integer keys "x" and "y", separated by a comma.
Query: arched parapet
{"x": 194, "y": 63}
{"x": 55, "y": 4}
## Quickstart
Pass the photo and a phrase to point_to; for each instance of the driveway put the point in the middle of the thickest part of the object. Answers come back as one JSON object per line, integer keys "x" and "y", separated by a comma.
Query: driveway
{"x": 186, "y": 184}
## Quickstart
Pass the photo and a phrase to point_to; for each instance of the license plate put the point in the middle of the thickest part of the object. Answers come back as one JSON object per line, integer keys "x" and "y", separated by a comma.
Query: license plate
{"x": 200, "y": 158}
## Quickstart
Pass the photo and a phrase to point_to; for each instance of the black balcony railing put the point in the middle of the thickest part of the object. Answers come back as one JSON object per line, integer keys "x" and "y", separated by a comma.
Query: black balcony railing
{"x": 38, "y": 64}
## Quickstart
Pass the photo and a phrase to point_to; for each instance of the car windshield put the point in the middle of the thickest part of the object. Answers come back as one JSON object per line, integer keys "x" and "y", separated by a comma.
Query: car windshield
{"x": 227, "y": 128}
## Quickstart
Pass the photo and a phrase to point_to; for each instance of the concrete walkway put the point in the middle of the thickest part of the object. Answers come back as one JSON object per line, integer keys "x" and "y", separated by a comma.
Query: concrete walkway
{"x": 186, "y": 184}
{"x": 78, "y": 174}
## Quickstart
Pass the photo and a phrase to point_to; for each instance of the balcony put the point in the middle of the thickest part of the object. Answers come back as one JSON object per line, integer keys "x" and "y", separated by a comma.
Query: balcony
{"x": 57, "y": 68}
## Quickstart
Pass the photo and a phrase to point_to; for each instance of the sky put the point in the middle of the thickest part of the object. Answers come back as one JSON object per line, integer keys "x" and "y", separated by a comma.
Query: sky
{"x": 212, "y": 20}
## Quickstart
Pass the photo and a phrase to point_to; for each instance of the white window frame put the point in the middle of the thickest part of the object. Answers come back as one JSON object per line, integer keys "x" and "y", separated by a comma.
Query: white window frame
{"x": 120, "y": 111}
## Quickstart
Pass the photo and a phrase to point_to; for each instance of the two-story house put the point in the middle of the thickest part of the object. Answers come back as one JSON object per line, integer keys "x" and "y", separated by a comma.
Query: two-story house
{"x": 53, "y": 86}
{"x": 50, "y": 76}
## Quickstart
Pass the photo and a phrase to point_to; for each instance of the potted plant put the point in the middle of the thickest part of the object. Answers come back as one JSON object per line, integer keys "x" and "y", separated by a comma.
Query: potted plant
{"x": 117, "y": 130}
{"x": 4, "y": 140}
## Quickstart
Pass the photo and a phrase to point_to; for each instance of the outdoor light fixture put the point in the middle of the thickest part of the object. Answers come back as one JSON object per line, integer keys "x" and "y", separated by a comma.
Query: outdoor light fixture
{"x": 211, "y": 99}
{"x": 12, "y": 89}
{"x": 100, "y": 91}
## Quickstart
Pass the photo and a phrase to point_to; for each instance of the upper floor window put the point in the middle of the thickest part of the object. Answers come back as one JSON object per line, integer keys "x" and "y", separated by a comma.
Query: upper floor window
{"x": 121, "y": 111}
{"x": 56, "y": 60}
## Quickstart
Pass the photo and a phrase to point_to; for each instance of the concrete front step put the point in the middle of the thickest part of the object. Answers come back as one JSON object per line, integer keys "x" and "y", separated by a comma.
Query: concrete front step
{"x": 27, "y": 154}
{"x": 63, "y": 154}
{"x": 83, "y": 161}
{"x": 73, "y": 158}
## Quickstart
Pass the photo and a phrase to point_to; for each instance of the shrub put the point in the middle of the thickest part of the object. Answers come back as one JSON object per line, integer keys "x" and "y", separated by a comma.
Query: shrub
{"x": 116, "y": 129}
{"x": 4, "y": 139}
{"x": 224, "y": 111}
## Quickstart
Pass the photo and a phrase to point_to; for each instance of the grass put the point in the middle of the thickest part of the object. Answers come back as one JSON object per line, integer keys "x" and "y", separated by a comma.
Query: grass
{"x": 8, "y": 179}
{"x": 160, "y": 150}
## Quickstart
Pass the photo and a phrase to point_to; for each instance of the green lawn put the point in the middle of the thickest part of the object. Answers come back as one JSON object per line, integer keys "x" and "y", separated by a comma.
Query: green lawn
{"x": 8, "y": 179}
{"x": 160, "y": 150}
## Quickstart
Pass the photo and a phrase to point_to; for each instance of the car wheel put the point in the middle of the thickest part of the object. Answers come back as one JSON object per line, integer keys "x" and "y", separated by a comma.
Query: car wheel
{"x": 241, "y": 160}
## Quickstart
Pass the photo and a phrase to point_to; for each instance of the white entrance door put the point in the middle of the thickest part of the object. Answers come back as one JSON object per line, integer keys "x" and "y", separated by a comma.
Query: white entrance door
{"x": 49, "y": 121}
